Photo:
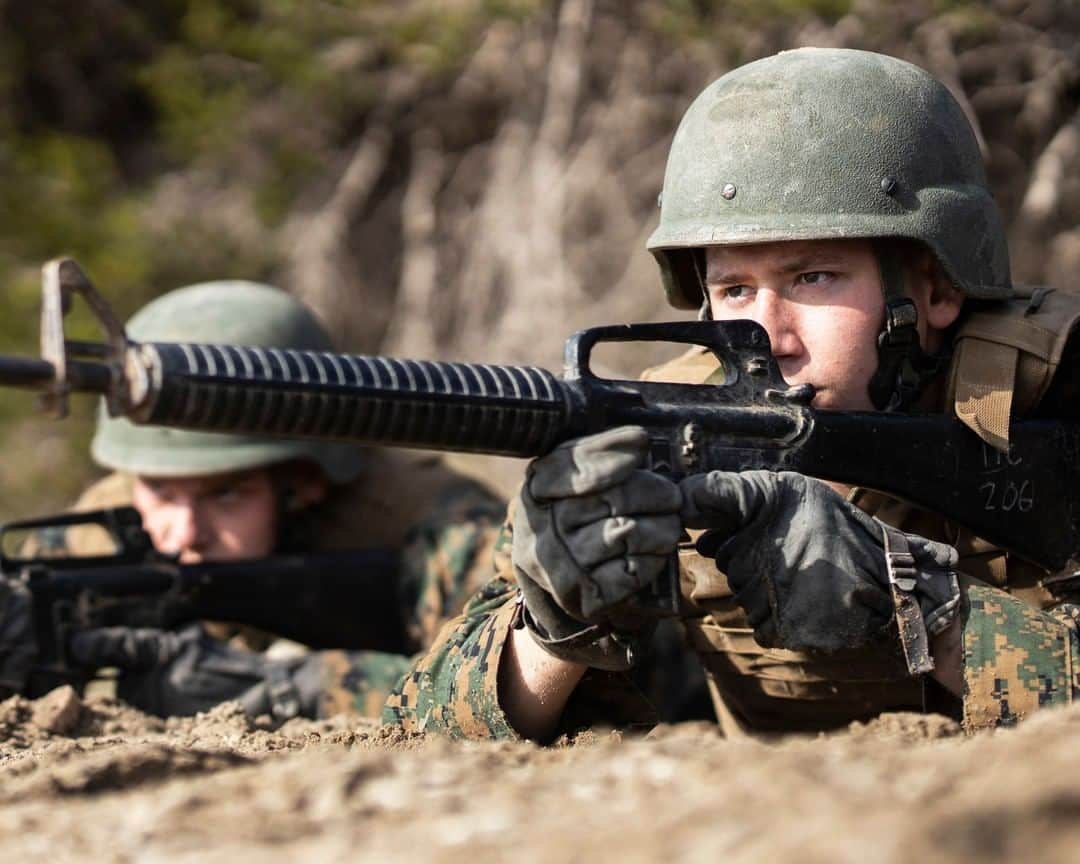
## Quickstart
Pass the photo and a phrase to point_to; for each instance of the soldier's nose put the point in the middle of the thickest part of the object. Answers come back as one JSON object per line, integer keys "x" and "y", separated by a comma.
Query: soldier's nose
{"x": 184, "y": 536}
{"x": 774, "y": 314}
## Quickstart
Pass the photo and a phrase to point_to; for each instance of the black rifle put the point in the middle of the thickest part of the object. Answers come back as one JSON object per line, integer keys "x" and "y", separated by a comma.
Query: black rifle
{"x": 1026, "y": 500}
{"x": 342, "y": 599}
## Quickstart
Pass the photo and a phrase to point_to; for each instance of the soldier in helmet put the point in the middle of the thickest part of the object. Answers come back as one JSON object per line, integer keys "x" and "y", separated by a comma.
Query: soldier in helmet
{"x": 205, "y": 496}
{"x": 837, "y": 198}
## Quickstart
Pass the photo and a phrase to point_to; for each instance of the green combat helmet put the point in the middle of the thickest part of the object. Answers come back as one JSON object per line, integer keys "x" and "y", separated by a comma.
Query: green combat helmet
{"x": 818, "y": 144}
{"x": 231, "y": 312}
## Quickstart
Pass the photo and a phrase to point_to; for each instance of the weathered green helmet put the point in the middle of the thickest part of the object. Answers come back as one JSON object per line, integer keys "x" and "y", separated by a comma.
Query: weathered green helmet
{"x": 828, "y": 143}
{"x": 232, "y": 312}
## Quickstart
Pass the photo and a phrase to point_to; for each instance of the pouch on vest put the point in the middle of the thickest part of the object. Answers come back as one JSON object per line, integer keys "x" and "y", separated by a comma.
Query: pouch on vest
{"x": 1005, "y": 358}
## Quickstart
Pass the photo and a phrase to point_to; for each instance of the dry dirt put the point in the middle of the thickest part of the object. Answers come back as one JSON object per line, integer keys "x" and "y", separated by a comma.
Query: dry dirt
{"x": 98, "y": 781}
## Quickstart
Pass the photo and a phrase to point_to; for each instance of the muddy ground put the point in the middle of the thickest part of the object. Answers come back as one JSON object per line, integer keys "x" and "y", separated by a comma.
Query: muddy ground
{"x": 97, "y": 781}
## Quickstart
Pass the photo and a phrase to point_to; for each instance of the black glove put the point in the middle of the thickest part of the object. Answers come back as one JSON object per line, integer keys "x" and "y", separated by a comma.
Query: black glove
{"x": 182, "y": 672}
{"x": 18, "y": 643}
{"x": 591, "y": 529}
{"x": 810, "y": 569}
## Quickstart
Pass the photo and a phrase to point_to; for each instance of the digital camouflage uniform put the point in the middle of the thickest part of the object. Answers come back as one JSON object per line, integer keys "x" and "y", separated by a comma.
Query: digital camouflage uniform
{"x": 445, "y": 526}
{"x": 817, "y": 144}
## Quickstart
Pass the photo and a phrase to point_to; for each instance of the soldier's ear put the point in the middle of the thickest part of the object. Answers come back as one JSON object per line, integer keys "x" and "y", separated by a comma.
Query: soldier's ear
{"x": 939, "y": 301}
{"x": 944, "y": 303}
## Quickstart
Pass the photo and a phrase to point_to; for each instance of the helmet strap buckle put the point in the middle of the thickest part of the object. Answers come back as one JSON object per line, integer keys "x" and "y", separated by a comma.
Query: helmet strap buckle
{"x": 901, "y": 318}
{"x": 904, "y": 369}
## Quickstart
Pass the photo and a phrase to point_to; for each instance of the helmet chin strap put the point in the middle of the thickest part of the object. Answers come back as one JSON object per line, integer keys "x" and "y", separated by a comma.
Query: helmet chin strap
{"x": 705, "y": 310}
{"x": 904, "y": 369}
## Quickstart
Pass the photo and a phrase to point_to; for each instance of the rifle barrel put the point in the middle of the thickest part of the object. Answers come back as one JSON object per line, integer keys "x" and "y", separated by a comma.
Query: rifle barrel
{"x": 468, "y": 407}
{"x": 32, "y": 373}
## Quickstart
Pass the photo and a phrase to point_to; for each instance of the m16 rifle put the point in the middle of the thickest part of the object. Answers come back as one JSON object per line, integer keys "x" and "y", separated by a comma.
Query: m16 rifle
{"x": 340, "y": 599}
{"x": 1024, "y": 500}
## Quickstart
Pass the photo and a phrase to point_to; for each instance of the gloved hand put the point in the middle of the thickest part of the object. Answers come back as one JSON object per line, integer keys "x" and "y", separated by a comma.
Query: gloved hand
{"x": 591, "y": 529}
{"x": 18, "y": 642}
{"x": 182, "y": 672}
{"x": 810, "y": 569}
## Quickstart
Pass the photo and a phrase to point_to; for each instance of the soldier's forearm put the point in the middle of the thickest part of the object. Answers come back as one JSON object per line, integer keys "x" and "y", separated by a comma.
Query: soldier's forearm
{"x": 534, "y": 686}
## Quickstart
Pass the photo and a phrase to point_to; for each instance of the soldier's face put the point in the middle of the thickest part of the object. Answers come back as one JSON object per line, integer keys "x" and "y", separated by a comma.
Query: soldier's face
{"x": 215, "y": 517}
{"x": 822, "y": 304}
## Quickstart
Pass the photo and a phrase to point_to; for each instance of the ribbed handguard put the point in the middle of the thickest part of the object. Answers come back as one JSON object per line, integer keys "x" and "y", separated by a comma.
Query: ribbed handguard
{"x": 467, "y": 407}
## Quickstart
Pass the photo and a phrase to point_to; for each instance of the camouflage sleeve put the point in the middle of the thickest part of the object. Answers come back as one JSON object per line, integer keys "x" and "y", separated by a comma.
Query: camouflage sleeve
{"x": 447, "y": 558}
{"x": 1017, "y": 659}
{"x": 358, "y": 682}
{"x": 453, "y": 688}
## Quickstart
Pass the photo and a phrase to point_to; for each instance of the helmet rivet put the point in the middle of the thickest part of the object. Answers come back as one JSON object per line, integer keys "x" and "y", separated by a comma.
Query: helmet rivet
{"x": 659, "y": 199}
{"x": 888, "y": 184}
{"x": 728, "y": 191}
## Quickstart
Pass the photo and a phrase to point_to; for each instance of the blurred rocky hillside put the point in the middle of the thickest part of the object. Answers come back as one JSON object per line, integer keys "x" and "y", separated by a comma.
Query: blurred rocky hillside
{"x": 465, "y": 179}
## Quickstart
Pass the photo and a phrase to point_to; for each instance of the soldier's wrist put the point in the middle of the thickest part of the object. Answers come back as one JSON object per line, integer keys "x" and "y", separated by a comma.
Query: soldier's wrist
{"x": 566, "y": 638}
{"x": 947, "y": 649}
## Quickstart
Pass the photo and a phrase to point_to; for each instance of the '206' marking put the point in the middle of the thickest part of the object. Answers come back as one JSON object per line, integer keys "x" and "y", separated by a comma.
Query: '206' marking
{"x": 1008, "y": 496}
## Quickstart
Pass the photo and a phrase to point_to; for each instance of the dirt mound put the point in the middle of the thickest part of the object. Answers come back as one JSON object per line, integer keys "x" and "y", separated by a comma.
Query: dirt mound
{"x": 119, "y": 786}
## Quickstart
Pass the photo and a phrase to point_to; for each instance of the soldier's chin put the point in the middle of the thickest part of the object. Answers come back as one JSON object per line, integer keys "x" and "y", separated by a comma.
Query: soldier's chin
{"x": 826, "y": 399}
